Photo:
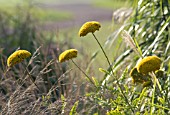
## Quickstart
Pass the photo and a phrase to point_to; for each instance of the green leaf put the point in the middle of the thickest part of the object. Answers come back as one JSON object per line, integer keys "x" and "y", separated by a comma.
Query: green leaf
{"x": 103, "y": 71}
{"x": 73, "y": 109}
{"x": 162, "y": 100}
{"x": 143, "y": 93}
{"x": 115, "y": 112}
{"x": 62, "y": 97}
{"x": 64, "y": 103}
{"x": 95, "y": 81}
{"x": 139, "y": 49}
{"x": 158, "y": 36}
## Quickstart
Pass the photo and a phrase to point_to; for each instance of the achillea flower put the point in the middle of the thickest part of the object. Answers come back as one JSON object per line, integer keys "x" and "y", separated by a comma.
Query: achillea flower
{"x": 17, "y": 57}
{"x": 88, "y": 27}
{"x": 67, "y": 54}
{"x": 137, "y": 77}
{"x": 149, "y": 64}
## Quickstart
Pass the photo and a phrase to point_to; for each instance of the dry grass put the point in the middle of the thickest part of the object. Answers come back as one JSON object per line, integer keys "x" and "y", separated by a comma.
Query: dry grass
{"x": 43, "y": 86}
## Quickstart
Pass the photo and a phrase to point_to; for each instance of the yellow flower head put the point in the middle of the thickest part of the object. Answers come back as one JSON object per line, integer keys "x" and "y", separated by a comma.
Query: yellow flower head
{"x": 68, "y": 54}
{"x": 136, "y": 76}
{"x": 17, "y": 57}
{"x": 88, "y": 27}
{"x": 149, "y": 64}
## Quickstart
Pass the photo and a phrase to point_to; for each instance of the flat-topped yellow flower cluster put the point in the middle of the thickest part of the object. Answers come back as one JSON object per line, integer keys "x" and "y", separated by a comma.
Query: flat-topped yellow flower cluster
{"x": 17, "y": 57}
{"x": 148, "y": 64}
{"x": 68, "y": 54}
{"x": 89, "y": 27}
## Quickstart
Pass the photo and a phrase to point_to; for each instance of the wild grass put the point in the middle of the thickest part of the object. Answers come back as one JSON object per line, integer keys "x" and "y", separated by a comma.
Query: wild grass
{"x": 63, "y": 89}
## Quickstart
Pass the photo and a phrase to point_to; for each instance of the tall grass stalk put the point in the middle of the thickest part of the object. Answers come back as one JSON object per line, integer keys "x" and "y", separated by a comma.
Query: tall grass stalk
{"x": 113, "y": 72}
{"x": 29, "y": 75}
{"x": 132, "y": 43}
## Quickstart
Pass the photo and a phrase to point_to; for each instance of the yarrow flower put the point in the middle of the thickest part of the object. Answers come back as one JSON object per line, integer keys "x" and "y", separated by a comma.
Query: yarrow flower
{"x": 17, "y": 57}
{"x": 88, "y": 27}
{"x": 68, "y": 54}
{"x": 149, "y": 64}
{"x": 138, "y": 77}
{"x": 140, "y": 73}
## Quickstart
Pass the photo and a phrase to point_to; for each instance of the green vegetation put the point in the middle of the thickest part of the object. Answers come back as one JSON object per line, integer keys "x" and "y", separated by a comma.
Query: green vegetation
{"x": 41, "y": 14}
{"x": 51, "y": 15}
{"x": 41, "y": 85}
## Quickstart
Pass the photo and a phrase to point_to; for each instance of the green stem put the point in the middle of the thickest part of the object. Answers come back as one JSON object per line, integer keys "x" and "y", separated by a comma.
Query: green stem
{"x": 113, "y": 72}
{"x": 153, "y": 93}
{"x": 102, "y": 50}
{"x": 84, "y": 73}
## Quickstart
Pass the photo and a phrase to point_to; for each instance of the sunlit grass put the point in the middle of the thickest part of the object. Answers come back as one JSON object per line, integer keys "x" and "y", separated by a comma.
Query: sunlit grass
{"x": 63, "y": 89}
{"x": 10, "y": 6}
{"x": 51, "y": 15}
{"x": 10, "y": 3}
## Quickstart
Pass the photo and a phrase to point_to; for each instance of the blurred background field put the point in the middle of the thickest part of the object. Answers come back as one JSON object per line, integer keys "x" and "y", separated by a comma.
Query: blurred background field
{"x": 48, "y": 27}
{"x": 56, "y": 18}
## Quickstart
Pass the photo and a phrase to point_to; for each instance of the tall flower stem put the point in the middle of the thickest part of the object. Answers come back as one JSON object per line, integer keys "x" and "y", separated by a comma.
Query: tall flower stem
{"x": 112, "y": 72}
{"x": 84, "y": 73}
{"x": 153, "y": 93}
{"x": 155, "y": 82}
